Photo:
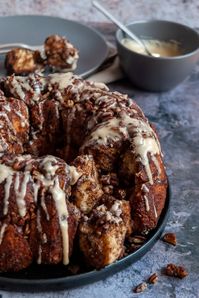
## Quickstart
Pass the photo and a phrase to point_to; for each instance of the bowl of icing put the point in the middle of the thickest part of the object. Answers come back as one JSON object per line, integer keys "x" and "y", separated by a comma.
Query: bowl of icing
{"x": 174, "y": 48}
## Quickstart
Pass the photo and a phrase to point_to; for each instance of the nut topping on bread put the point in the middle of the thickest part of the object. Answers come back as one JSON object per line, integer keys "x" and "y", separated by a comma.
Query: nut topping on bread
{"x": 77, "y": 162}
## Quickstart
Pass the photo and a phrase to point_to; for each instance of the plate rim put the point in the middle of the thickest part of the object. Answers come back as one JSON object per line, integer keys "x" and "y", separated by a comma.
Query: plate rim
{"x": 74, "y": 281}
{"x": 82, "y": 24}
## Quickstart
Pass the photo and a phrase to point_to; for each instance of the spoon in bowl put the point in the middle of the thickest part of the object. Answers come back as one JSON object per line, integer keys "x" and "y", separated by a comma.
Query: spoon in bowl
{"x": 123, "y": 28}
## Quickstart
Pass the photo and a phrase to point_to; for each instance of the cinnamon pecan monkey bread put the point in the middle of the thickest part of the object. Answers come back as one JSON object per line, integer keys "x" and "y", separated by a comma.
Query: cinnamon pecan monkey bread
{"x": 58, "y": 55}
{"x": 81, "y": 171}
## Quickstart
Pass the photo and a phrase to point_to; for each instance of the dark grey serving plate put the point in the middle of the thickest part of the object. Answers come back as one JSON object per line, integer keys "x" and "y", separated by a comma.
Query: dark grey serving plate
{"x": 33, "y": 30}
{"x": 49, "y": 278}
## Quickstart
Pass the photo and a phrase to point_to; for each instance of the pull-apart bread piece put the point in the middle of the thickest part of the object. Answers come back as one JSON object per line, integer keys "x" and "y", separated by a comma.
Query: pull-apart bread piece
{"x": 103, "y": 231}
{"x": 87, "y": 191}
{"x": 113, "y": 129}
{"x": 23, "y": 61}
{"x": 58, "y": 54}
{"x": 14, "y": 124}
{"x": 109, "y": 156}
{"x": 37, "y": 220}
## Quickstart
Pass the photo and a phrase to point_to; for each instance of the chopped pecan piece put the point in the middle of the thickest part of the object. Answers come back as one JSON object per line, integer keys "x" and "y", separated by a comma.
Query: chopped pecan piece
{"x": 153, "y": 278}
{"x": 131, "y": 248}
{"x": 176, "y": 271}
{"x": 138, "y": 239}
{"x": 170, "y": 238}
{"x": 140, "y": 288}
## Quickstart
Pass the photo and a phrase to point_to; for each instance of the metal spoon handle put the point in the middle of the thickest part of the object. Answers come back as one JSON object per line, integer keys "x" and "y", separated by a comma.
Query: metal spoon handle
{"x": 120, "y": 25}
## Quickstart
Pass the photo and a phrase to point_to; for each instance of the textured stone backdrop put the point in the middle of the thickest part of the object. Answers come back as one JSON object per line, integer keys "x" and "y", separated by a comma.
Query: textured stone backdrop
{"x": 186, "y": 11}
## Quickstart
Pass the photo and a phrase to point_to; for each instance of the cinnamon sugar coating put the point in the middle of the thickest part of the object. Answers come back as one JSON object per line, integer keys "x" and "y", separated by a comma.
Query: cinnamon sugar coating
{"x": 102, "y": 235}
{"x": 23, "y": 61}
{"x": 108, "y": 173}
{"x": 58, "y": 54}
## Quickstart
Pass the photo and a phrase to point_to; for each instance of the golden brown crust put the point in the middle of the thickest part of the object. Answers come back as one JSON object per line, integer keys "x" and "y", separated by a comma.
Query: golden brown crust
{"x": 23, "y": 61}
{"x": 102, "y": 234}
{"x": 58, "y": 54}
{"x": 114, "y": 155}
{"x": 14, "y": 125}
{"x": 15, "y": 253}
{"x": 38, "y": 228}
{"x": 87, "y": 190}
{"x": 147, "y": 200}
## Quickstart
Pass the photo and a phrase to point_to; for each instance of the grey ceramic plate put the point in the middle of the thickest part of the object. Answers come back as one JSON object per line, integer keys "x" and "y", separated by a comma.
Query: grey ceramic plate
{"x": 34, "y": 29}
{"x": 46, "y": 278}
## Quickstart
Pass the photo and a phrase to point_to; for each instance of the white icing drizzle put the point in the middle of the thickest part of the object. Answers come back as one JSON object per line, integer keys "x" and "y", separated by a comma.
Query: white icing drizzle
{"x": 100, "y": 85}
{"x": 146, "y": 203}
{"x": 109, "y": 130}
{"x": 46, "y": 182}
{"x": 7, "y": 107}
{"x": 40, "y": 124}
{"x": 57, "y": 110}
{"x": 44, "y": 238}
{"x": 140, "y": 133}
{"x": 43, "y": 205}
{"x": 5, "y": 172}
{"x": 59, "y": 197}
{"x": 39, "y": 254}
{"x": 74, "y": 174}
{"x": 116, "y": 208}
{"x": 157, "y": 165}
{"x": 26, "y": 157}
{"x": 68, "y": 129}
{"x": 48, "y": 167}
{"x": 20, "y": 194}
{"x": 3, "y": 228}
{"x": 7, "y": 193}
{"x": 144, "y": 188}
{"x": 36, "y": 187}
{"x": 3, "y": 144}
{"x": 154, "y": 208}
{"x": 39, "y": 228}
{"x": 35, "y": 135}
{"x": 17, "y": 87}
{"x": 144, "y": 142}
{"x": 62, "y": 79}
{"x": 142, "y": 148}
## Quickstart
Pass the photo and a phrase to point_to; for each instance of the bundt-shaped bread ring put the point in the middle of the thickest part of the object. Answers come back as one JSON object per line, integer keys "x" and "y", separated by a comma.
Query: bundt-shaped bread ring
{"x": 102, "y": 234}
{"x": 113, "y": 152}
